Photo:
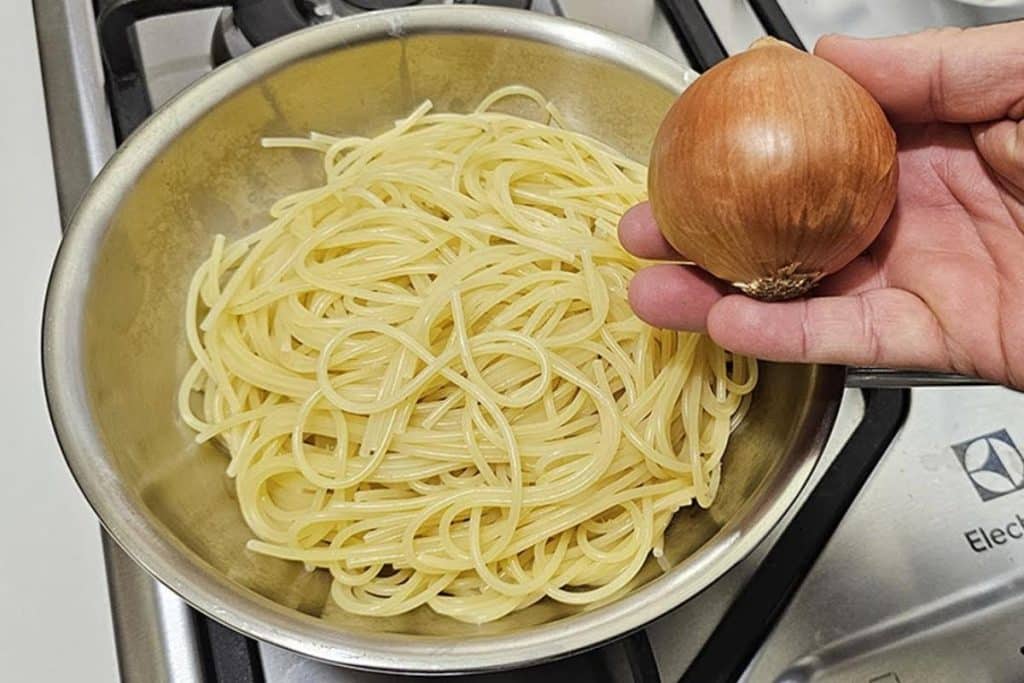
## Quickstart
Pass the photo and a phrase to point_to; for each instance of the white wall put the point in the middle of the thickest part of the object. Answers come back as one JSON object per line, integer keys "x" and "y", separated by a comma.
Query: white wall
{"x": 54, "y": 612}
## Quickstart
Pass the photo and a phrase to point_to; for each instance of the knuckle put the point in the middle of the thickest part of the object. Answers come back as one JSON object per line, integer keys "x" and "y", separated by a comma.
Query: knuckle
{"x": 806, "y": 331}
{"x": 869, "y": 331}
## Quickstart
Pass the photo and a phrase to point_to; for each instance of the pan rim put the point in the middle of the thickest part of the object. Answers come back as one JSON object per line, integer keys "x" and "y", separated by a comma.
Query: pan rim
{"x": 244, "y": 610}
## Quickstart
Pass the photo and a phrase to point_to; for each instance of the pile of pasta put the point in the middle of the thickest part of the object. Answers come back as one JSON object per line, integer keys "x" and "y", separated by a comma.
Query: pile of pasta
{"x": 429, "y": 380}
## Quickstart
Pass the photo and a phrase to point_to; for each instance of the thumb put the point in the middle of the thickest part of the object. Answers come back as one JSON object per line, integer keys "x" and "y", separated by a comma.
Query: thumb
{"x": 952, "y": 75}
{"x": 884, "y": 327}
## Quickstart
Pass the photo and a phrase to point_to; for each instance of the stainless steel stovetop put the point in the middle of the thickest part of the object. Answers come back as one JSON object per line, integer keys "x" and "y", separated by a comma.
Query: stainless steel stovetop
{"x": 923, "y": 581}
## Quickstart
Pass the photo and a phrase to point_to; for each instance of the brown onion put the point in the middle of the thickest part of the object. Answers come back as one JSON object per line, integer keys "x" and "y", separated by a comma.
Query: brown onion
{"x": 773, "y": 170}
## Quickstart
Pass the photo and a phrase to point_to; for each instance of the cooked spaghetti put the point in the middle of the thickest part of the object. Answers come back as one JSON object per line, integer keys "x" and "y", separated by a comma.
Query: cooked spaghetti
{"x": 429, "y": 380}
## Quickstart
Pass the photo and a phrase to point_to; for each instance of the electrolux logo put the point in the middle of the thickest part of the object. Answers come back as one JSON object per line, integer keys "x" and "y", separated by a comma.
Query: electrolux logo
{"x": 994, "y": 464}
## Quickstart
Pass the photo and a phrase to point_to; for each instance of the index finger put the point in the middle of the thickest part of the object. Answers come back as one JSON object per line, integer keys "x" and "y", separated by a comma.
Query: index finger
{"x": 952, "y": 75}
{"x": 640, "y": 236}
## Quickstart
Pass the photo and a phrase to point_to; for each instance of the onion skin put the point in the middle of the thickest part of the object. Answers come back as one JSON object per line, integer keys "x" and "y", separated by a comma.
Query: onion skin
{"x": 773, "y": 170}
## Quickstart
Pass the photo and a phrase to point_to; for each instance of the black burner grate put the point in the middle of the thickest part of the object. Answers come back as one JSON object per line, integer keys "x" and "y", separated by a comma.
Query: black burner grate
{"x": 382, "y": 4}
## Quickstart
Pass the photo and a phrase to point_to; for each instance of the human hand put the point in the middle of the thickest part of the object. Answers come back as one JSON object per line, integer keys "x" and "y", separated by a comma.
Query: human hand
{"x": 942, "y": 288}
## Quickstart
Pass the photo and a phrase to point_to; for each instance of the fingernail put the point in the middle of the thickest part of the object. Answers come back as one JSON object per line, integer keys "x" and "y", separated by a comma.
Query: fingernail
{"x": 836, "y": 36}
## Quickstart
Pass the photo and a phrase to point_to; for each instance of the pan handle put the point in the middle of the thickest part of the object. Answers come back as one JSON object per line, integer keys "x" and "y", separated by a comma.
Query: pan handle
{"x": 884, "y": 378}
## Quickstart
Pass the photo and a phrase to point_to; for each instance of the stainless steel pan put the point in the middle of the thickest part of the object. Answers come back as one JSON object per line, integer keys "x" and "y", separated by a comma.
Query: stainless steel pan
{"x": 114, "y": 349}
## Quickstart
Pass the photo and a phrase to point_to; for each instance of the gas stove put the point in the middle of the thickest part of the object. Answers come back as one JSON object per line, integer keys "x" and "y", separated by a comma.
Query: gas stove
{"x": 903, "y": 561}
